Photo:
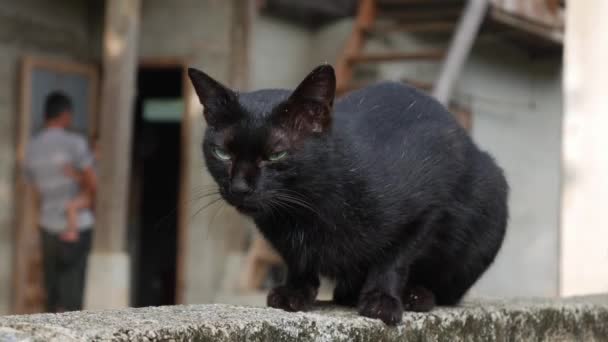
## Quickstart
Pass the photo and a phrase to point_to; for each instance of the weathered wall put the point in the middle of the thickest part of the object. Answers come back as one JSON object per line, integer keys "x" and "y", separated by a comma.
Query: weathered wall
{"x": 61, "y": 29}
{"x": 280, "y": 53}
{"x": 517, "y": 108}
{"x": 516, "y": 104}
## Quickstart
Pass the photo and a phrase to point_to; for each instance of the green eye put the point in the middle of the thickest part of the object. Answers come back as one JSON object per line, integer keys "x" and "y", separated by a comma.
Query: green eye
{"x": 277, "y": 156}
{"x": 221, "y": 154}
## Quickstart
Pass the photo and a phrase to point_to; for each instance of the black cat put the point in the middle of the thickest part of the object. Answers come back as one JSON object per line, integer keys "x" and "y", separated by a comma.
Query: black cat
{"x": 383, "y": 191}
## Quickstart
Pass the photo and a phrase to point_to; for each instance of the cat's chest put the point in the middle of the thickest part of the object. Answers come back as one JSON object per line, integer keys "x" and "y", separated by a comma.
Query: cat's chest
{"x": 331, "y": 253}
{"x": 332, "y": 248}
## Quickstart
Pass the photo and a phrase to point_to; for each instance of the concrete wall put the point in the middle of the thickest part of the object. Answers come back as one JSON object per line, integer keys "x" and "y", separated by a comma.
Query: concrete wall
{"x": 517, "y": 114}
{"x": 60, "y": 29}
{"x": 516, "y": 103}
{"x": 280, "y": 53}
{"x": 573, "y": 319}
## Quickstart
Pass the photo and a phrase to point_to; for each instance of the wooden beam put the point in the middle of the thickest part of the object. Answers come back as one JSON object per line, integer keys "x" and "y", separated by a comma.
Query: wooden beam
{"x": 425, "y": 86}
{"x": 422, "y": 15}
{"x": 396, "y": 56}
{"x": 120, "y": 43}
{"x": 554, "y": 35}
{"x": 415, "y": 27}
{"x": 366, "y": 15}
{"x": 460, "y": 47}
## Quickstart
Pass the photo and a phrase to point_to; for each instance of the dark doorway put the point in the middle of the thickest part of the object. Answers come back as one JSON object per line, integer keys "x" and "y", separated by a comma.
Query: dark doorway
{"x": 155, "y": 185}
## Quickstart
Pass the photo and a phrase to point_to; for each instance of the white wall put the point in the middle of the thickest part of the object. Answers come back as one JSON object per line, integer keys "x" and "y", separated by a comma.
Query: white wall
{"x": 584, "y": 227}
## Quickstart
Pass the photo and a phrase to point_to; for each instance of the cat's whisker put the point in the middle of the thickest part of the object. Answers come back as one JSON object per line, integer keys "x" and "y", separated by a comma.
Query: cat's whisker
{"x": 207, "y": 205}
{"x": 299, "y": 201}
{"x": 222, "y": 206}
{"x": 194, "y": 200}
{"x": 194, "y": 193}
{"x": 210, "y": 226}
{"x": 197, "y": 193}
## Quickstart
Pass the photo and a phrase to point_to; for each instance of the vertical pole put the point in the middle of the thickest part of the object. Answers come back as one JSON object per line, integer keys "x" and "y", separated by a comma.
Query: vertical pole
{"x": 460, "y": 47}
{"x": 109, "y": 265}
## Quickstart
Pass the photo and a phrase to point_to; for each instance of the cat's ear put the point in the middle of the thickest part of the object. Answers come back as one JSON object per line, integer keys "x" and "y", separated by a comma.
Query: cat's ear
{"x": 219, "y": 102}
{"x": 319, "y": 86}
{"x": 311, "y": 102}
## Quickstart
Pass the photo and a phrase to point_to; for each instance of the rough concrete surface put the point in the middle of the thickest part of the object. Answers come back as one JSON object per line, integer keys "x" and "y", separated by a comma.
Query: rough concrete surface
{"x": 576, "y": 319}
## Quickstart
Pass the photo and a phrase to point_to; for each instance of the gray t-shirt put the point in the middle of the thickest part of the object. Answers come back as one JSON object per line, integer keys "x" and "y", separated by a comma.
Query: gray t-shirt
{"x": 48, "y": 154}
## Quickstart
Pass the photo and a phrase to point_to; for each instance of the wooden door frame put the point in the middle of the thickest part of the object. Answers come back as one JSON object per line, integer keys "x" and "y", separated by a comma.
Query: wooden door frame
{"x": 184, "y": 179}
{"x": 22, "y": 195}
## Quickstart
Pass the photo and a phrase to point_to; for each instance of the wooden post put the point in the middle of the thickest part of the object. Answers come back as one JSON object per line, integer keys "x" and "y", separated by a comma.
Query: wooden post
{"x": 108, "y": 278}
{"x": 120, "y": 43}
{"x": 243, "y": 12}
{"x": 461, "y": 45}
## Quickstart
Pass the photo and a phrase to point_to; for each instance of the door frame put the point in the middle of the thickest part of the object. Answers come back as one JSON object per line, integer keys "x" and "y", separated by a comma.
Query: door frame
{"x": 25, "y": 212}
{"x": 184, "y": 179}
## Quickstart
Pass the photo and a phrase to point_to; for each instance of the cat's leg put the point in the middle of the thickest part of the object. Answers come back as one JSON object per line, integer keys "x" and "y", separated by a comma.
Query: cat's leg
{"x": 381, "y": 293}
{"x": 297, "y": 294}
{"x": 347, "y": 290}
{"x": 385, "y": 284}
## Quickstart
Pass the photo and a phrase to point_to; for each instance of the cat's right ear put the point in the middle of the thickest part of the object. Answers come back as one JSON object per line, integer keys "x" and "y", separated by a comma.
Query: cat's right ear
{"x": 220, "y": 104}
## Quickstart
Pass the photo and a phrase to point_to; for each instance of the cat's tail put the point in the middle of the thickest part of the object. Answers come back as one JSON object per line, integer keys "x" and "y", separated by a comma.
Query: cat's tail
{"x": 418, "y": 299}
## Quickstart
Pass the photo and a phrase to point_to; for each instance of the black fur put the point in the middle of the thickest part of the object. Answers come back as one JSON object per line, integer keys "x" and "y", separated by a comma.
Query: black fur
{"x": 383, "y": 191}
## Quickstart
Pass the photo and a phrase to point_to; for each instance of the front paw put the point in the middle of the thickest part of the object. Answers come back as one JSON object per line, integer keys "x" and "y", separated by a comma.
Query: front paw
{"x": 291, "y": 299}
{"x": 382, "y": 306}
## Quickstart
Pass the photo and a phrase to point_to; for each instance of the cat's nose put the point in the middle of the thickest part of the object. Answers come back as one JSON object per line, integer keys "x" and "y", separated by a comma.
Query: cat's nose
{"x": 240, "y": 187}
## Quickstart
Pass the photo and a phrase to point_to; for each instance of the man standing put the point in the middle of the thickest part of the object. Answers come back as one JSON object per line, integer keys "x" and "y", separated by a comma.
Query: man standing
{"x": 65, "y": 250}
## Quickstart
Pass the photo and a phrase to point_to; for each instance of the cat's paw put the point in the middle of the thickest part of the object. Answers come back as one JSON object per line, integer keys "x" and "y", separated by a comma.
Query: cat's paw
{"x": 381, "y": 306}
{"x": 290, "y": 299}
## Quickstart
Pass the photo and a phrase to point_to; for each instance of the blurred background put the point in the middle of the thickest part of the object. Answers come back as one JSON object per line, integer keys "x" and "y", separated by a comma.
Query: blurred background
{"x": 526, "y": 78}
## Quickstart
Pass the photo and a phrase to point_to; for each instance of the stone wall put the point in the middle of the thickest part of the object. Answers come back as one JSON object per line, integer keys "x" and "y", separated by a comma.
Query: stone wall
{"x": 577, "y": 319}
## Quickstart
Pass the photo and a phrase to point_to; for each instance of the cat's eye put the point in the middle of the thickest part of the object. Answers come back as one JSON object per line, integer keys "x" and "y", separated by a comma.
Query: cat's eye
{"x": 277, "y": 156}
{"x": 221, "y": 154}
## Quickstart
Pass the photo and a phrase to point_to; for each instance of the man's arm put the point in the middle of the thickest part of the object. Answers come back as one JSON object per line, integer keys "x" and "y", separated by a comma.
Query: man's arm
{"x": 83, "y": 162}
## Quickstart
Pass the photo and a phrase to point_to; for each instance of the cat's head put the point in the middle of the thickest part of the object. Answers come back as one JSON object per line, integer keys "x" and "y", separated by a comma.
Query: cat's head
{"x": 256, "y": 143}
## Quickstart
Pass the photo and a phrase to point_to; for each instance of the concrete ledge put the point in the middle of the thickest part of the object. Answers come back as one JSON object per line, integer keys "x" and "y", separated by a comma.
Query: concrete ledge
{"x": 576, "y": 319}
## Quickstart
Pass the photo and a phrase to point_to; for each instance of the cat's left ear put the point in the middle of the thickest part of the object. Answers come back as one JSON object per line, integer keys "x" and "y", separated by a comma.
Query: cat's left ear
{"x": 219, "y": 102}
{"x": 313, "y": 99}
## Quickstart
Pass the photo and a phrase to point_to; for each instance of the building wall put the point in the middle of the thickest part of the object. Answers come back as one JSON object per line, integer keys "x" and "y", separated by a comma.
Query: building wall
{"x": 516, "y": 104}
{"x": 280, "y": 53}
{"x": 517, "y": 114}
{"x": 59, "y": 29}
